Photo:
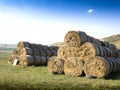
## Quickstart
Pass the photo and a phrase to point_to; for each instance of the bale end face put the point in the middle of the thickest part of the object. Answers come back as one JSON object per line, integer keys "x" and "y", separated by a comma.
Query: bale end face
{"x": 73, "y": 66}
{"x": 56, "y": 65}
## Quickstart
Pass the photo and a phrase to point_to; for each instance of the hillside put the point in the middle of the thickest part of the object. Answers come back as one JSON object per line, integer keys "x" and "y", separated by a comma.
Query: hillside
{"x": 115, "y": 39}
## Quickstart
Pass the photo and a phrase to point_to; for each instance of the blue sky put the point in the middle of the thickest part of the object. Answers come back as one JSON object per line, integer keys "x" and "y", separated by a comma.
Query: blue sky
{"x": 47, "y": 21}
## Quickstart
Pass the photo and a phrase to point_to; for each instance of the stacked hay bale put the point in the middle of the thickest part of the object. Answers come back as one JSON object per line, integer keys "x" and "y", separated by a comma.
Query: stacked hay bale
{"x": 79, "y": 48}
{"x": 32, "y": 54}
{"x": 100, "y": 67}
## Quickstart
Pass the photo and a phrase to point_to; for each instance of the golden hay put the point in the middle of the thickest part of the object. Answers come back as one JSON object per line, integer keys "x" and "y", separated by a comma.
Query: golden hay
{"x": 74, "y": 38}
{"x": 56, "y": 65}
{"x": 77, "y": 38}
{"x": 88, "y": 50}
{"x": 26, "y": 51}
{"x": 65, "y": 52}
{"x": 27, "y": 60}
{"x": 12, "y": 58}
{"x": 73, "y": 66}
{"x": 97, "y": 67}
{"x": 62, "y": 52}
{"x": 16, "y": 51}
{"x": 23, "y": 44}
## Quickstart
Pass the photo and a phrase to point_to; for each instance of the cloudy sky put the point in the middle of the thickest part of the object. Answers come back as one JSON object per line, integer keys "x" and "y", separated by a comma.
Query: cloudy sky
{"x": 47, "y": 21}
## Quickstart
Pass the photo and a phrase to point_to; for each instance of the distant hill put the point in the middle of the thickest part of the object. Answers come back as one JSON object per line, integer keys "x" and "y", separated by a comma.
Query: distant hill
{"x": 7, "y": 46}
{"x": 57, "y": 44}
{"x": 115, "y": 39}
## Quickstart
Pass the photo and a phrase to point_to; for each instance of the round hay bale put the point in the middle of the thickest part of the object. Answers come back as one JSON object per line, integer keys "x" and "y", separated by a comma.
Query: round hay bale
{"x": 16, "y": 51}
{"x": 53, "y": 47}
{"x": 75, "y": 39}
{"x": 26, "y": 51}
{"x": 47, "y": 58}
{"x": 28, "y": 60}
{"x": 49, "y": 53}
{"x": 102, "y": 50}
{"x": 97, "y": 67}
{"x": 33, "y": 45}
{"x": 43, "y": 53}
{"x": 44, "y": 60}
{"x": 109, "y": 59}
{"x": 36, "y": 52}
{"x": 65, "y": 52}
{"x": 38, "y": 61}
{"x": 95, "y": 41}
{"x": 89, "y": 50}
{"x": 116, "y": 64}
{"x": 54, "y": 52}
{"x": 106, "y": 43}
{"x": 22, "y": 44}
{"x": 112, "y": 46}
{"x": 11, "y": 59}
{"x": 62, "y": 52}
{"x": 73, "y": 66}
{"x": 45, "y": 47}
{"x": 56, "y": 65}
{"x": 40, "y": 46}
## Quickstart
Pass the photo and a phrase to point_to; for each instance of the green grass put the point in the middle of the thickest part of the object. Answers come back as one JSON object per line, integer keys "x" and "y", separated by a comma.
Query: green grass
{"x": 38, "y": 78}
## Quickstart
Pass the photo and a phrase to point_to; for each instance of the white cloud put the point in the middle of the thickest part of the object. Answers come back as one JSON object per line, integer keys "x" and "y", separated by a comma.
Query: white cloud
{"x": 90, "y": 10}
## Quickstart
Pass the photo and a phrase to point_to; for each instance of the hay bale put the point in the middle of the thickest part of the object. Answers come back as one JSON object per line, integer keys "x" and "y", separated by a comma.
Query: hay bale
{"x": 53, "y": 47}
{"x": 38, "y": 61}
{"x": 75, "y": 39}
{"x": 33, "y": 45}
{"x": 13, "y": 58}
{"x": 44, "y": 60}
{"x": 22, "y": 44}
{"x": 16, "y": 51}
{"x": 49, "y": 53}
{"x": 26, "y": 51}
{"x": 45, "y": 47}
{"x": 97, "y": 67}
{"x": 73, "y": 66}
{"x": 27, "y": 60}
{"x": 65, "y": 52}
{"x": 54, "y": 52}
{"x": 62, "y": 52}
{"x": 36, "y": 52}
{"x": 89, "y": 50}
{"x": 43, "y": 53}
{"x": 56, "y": 65}
{"x": 40, "y": 46}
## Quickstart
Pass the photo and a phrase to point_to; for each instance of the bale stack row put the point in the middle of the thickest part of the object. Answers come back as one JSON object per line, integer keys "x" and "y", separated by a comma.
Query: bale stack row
{"x": 77, "y": 50}
{"x": 32, "y": 54}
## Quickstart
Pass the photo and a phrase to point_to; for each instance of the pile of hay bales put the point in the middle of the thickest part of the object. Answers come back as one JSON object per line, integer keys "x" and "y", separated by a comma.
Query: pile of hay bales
{"x": 80, "y": 53}
{"x": 28, "y": 54}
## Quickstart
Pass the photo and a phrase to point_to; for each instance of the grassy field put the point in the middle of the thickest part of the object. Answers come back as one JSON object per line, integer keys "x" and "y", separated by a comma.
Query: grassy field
{"x": 38, "y": 78}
